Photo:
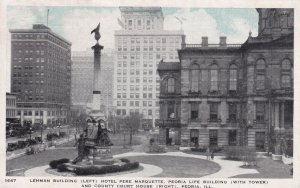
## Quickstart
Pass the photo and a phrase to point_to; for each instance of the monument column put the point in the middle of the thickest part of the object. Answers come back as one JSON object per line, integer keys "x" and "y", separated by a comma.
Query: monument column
{"x": 96, "y": 86}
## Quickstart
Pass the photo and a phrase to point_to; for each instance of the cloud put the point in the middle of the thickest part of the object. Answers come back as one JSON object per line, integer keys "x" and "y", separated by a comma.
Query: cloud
{"x": 77, "y": 25}
{"x": 241, "y": 29}
{"x": 197, "y": 23}
{"x": 20, "y": 17}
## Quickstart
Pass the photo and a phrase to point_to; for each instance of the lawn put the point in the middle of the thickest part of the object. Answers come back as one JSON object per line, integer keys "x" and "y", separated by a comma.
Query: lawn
{"x": 30, "y": 161}
{"x": 268, "y": 168}
{"x": 179, "y": 167}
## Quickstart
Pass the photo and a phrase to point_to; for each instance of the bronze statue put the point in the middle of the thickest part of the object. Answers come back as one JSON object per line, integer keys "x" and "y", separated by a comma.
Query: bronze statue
{"x": 97, "y": 32}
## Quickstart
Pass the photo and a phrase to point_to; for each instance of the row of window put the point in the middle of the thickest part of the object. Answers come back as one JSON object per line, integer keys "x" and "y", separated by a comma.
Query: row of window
{"x": 136, "y": 64}
{"x": 41, "y": 113}
{"x": 214, "y": 116}
{"x": 10, "y": 102}
{"x": 146, "y": 40}
{"x": 145, "y": 112}
{"x": 134, "y": 72}
{"x": 137, "y": 103}
{"x": 146, "y": 48}
{"x": 151, "y": 56}
{"x": 137, "y": 88}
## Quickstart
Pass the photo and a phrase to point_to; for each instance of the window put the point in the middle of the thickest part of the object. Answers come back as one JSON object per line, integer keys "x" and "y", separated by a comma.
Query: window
{"x": 144, "y": 95}
{"x": 232, "y": 137}
{"x": 123, "y": 103}
{"x": 171, "y": 85}
{"x": 150, "y": 112}
{"x": 286, "y": 81}
{"x": 288, "y": 113}
{"x": 214, "y": 78}
{"x": 260, "y": 111}
{"x": 131, "y": 103}
{"x": 118, "y": 103}
{"x": 194, "y": 110}
{"x": 233, "y": 78}
{"x": 194, "y": 78}
{"x": 171, "y": 110}
{"x": 260, "y": 82}
{"x": 137, "y": 103}
{"x": 213, "y": 112}
{"x": 194, "y": 137}
{"x": 286, "y": 73}
{"x": 232, "y": 111}
{"x": 260, "y": 74}
{"x": 213, "y": 138}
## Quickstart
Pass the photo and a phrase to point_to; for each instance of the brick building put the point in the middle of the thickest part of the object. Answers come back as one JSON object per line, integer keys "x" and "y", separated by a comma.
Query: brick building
{"x": 140, "y": 45}
{"x": 230, "y": 94}
{"x": 41, "y": 74}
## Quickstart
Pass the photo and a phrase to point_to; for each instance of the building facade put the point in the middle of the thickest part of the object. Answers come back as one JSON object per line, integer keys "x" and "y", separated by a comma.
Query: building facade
{"x": 11, "y": 106}
{"x": 41, "y": 74}
{"x": 140, "y": 45}
{"x": 82, "y": 79}
{"x": 229, "y": 94}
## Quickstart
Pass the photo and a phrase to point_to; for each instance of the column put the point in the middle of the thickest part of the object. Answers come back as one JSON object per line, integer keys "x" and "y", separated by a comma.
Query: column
{"x": 33, "y": 116}
{"x": 282, "y": 116}
{"x": 276, "y": 115}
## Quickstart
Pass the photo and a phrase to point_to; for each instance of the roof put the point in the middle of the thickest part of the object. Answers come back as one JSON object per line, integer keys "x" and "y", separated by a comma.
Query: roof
{"x": 162, "y": 66}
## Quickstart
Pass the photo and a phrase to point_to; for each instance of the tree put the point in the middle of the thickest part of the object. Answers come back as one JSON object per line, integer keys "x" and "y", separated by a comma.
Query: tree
{"x": 132, "y": 123}
{"x": 78, "y": 120}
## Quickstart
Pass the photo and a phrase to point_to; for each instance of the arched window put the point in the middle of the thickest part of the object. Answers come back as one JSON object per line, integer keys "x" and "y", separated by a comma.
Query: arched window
{"x": 171, "y": 85}
{"x": 286, "y": 73}
{"x": 232, "y": 77}
{"x": 194, "y": 77}
{"x": 260, "y": 74}
{"x": 214, "y": 78}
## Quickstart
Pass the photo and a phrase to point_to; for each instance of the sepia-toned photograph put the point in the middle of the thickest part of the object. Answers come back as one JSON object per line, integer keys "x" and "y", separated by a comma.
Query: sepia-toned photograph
{"x": 149, "y": 91}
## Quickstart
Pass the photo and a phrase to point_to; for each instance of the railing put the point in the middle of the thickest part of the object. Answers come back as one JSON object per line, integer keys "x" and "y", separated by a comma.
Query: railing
{"x": 211, "y": 46}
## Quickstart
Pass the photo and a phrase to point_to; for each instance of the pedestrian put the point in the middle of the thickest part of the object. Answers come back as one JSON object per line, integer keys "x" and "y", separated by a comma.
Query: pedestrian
{"x": 207, "y": 154}
{"x": 212, "y": 155}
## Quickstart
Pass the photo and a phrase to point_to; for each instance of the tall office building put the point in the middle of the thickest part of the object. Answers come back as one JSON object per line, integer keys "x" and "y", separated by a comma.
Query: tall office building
{"x": 41, "y": 74}
{"x": 141, "y": 45}
{"x": 82, "y": 79}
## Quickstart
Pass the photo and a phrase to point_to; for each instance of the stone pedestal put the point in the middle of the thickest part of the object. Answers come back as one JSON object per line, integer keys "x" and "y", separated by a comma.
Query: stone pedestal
{"x": 99, "y": 155}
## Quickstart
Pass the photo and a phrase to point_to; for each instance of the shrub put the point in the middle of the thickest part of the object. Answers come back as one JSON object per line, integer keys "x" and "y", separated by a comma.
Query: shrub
{"x": 89, "y": 170}
{"x": 155, "y": 148}
{"x": 62, "y": 167}
{"x": 199, "y": 149}
{"x": 241, "y": 153}
{"x": 124, "y": 160}
{"x": 53, "y": 164}
{"x": 151, "y": 141}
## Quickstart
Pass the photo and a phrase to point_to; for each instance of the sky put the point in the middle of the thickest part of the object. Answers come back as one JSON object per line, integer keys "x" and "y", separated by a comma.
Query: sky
{"x": 76, "y": 23}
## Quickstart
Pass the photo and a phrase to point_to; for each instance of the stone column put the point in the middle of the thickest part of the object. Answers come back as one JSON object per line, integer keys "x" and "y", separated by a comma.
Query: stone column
{"x": 282, "y": 116}
{"x": 276, "y": 115}
{"x": 96, "y": 86}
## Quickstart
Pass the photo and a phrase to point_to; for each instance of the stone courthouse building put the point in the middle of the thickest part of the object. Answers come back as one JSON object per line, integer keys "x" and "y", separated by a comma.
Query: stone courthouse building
{"x": 230, "y": 94}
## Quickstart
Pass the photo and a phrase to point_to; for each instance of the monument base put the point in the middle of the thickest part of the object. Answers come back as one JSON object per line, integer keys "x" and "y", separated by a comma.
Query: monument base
{"x": 100, "y": 155}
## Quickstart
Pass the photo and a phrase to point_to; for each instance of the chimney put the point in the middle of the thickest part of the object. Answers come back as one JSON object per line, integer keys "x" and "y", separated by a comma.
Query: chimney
{"x": 204, "y": 42}
{"x": 223, "y": 41}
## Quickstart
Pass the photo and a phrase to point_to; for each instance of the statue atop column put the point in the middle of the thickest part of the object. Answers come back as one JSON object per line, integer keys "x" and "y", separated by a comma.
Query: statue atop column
{"x": 97, "y": 32}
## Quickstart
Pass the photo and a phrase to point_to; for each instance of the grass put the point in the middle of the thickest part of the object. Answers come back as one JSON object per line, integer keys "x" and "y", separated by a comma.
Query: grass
{"x": 268, "y": 168}
{"x": 30, "y": 161}
{"x": 179, "y": 167}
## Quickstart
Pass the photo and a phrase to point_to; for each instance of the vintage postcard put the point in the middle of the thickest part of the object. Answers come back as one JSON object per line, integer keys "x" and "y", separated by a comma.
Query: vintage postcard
{"x": 149, "y": 95}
